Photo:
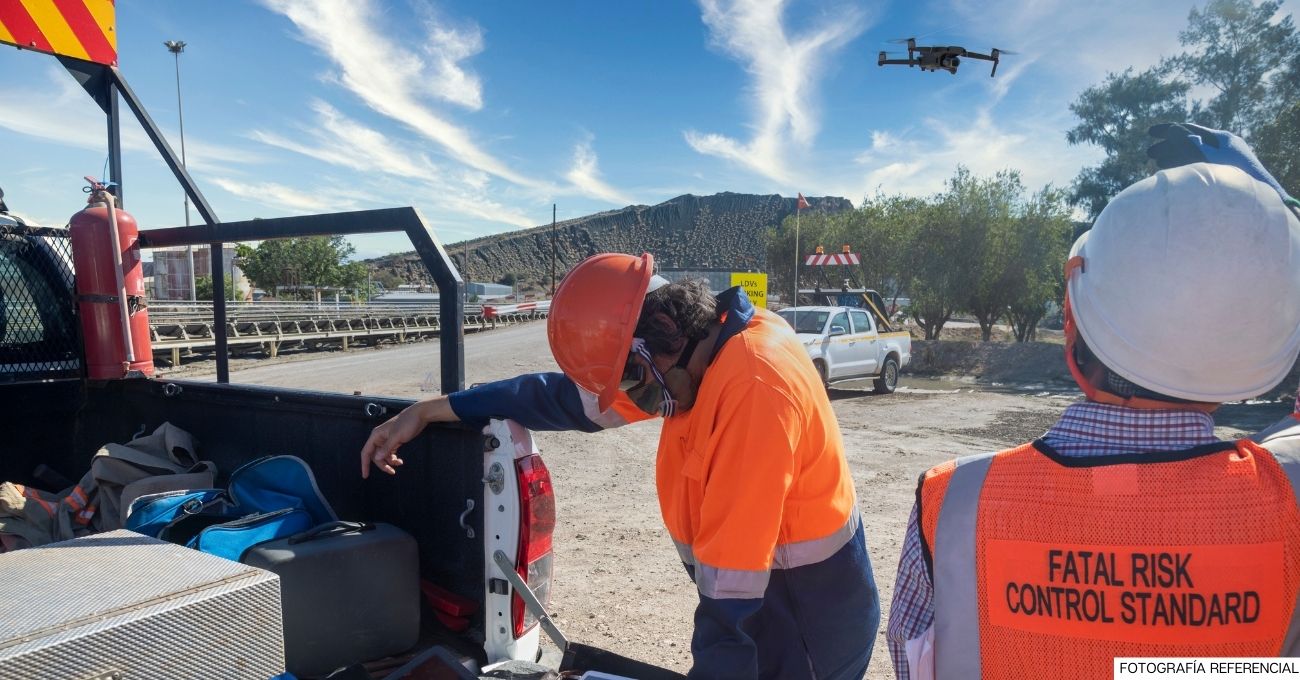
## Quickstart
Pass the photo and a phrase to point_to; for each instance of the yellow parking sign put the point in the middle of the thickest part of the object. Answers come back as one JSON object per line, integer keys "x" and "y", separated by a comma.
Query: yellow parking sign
{"x": 755, "y": 286}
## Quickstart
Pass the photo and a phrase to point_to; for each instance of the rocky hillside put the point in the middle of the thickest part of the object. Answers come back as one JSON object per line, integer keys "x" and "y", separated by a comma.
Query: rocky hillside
{"x": 723, "y": 230}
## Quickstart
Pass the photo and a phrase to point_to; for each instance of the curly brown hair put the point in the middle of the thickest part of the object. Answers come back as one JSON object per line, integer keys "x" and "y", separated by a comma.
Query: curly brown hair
{"x": 675, "y": 313}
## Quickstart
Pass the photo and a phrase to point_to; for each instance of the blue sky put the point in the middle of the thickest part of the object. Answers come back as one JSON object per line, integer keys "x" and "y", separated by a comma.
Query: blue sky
{"x": 482, "y": 114}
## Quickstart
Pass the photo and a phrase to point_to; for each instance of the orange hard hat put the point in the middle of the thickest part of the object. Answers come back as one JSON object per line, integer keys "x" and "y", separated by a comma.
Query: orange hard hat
{"x": 593, "y": 316}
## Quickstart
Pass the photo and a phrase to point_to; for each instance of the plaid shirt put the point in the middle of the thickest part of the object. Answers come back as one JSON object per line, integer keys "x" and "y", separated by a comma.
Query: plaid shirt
{"x": 1085, "y": 429}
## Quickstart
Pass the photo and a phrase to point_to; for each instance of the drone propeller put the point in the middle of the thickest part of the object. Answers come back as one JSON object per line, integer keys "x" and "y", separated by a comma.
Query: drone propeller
{"x": 923, "y": 36}
{"x": 900, "y": 41}
{"x": 996, "y": 54}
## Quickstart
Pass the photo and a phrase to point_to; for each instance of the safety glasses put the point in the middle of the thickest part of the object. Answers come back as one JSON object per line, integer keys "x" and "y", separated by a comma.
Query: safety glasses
{"x": 651, "y": 396}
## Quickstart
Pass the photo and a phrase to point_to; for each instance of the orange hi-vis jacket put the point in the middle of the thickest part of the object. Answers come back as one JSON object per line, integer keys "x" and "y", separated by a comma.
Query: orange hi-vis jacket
{"x": 753, "y": 477}
{"x": 1041, "y": 561}
{"x": 756, "y": 493}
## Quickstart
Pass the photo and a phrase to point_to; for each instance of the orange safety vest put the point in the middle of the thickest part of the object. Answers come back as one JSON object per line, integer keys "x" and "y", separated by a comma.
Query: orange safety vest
{"x": 753, "y": 476}
{"x": 1045, "y": 563}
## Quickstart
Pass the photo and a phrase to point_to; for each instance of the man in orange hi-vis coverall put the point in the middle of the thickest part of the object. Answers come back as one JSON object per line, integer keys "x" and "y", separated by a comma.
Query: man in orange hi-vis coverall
{"x": 753, "y": 484}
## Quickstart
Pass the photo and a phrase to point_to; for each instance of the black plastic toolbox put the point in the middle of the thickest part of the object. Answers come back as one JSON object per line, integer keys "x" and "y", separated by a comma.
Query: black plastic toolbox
{"x": 350, "y": 592}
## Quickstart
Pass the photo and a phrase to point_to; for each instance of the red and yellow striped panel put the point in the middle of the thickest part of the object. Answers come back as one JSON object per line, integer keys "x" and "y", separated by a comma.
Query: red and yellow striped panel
{"x": 82, "y": 29}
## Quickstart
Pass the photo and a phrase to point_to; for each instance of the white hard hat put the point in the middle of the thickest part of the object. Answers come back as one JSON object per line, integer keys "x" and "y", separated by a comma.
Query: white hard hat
{"x": 1189, "y": 284}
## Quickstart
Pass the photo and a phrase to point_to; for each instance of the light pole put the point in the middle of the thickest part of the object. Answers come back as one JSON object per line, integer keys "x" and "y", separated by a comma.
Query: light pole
{"x": 176, "y": 47}
{"x": 552, "y": 250}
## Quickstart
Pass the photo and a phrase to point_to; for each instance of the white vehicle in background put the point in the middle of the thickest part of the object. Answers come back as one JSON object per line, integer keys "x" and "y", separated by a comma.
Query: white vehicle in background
{"x": 846, "y": 343}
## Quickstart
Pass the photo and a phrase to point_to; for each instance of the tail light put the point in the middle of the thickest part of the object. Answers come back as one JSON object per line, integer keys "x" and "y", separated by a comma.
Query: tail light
{"x": 536, "y": 525}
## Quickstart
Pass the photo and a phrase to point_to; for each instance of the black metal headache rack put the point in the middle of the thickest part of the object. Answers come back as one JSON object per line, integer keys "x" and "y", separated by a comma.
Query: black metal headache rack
{"x": 39, "y": 336}
{"x": 106, "y": 84}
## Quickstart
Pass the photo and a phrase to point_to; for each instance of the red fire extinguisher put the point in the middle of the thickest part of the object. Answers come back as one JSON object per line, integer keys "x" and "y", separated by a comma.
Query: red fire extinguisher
{"x": 110, "y": 289}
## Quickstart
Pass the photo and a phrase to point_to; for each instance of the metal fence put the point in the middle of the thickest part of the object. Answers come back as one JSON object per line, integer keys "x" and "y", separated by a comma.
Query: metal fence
{"x": 40, "y": 332}
{"x": 186, "y": 328}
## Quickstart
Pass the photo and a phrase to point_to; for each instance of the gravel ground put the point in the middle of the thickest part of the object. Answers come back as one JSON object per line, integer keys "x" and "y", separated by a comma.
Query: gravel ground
{"x": 618, "y": 582}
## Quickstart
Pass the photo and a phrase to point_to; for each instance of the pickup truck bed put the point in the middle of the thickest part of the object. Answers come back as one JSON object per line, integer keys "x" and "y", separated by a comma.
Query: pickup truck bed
{"x": 62, "y": 424}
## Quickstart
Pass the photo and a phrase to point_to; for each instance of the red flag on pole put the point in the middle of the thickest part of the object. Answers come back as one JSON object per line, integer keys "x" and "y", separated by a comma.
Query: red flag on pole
{"x": 803, "y": 202}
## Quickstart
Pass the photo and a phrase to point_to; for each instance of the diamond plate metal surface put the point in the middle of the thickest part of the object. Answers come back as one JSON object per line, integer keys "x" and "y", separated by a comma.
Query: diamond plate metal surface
{"x": 122, "y": 602}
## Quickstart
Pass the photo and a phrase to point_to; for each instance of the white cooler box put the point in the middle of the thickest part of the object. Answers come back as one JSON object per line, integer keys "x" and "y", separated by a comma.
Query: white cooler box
{"x": 121, "y": 605}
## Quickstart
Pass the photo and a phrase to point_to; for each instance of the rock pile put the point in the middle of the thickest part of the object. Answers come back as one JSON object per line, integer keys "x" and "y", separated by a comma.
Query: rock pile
{"x": 720, "y": 231}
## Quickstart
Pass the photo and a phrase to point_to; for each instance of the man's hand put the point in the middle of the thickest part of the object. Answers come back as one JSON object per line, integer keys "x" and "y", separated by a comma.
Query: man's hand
{"x": 1184, "y": 143}
{"x": 381, "y": 448}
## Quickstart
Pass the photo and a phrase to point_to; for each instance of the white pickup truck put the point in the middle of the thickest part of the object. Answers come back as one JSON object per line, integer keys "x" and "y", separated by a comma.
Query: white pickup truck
{"x": 846, "y": 343}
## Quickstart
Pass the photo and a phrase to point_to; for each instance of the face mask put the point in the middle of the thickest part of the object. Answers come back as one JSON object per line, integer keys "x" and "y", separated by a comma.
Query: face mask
{"x": 668, "y": 393}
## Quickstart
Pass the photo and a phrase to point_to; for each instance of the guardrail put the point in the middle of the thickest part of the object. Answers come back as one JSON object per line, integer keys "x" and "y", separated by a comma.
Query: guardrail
{"x": 178, "y": 328}
{"x": 492, "y": 311}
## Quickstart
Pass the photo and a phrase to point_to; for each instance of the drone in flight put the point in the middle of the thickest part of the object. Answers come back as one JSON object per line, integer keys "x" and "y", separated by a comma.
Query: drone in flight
{"x": 947, "y": 58}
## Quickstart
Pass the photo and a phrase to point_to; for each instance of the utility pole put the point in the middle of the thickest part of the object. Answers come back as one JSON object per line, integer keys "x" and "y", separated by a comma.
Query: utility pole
{"x": 176, "y": 47}
{"x": 552, "y": 250}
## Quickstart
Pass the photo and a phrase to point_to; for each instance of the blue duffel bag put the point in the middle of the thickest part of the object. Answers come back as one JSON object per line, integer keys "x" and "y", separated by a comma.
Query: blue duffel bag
{"x": 267, "y": 499}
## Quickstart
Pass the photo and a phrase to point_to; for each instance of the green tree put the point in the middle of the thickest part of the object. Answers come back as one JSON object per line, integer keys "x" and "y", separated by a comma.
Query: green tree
{"x": 1234, "y": 47}
{"x": 1277, "y": 144}
{"x": 313, "y": 261}
{"x": 883, "y": 242}
{"x": 1249, "y": 58}
{"x": 937, "y": 267}
{"x": 1115, "y": 116}
{"x": 270, "y": 265}
{"x": 985, "y": 210}
{"x": 874, "y": 232}
{"x": 203, "y": 288}
{"x": 1034, "y": 278}
{"x": 1285, "y": 87}
{"x": 814, "y": 229}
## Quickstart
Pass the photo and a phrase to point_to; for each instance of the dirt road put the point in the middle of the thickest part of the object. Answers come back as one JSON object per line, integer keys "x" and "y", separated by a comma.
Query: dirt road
{"x": 618, "y": 581}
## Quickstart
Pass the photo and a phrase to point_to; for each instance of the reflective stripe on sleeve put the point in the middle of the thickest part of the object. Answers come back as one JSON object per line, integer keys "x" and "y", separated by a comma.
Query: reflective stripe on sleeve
{"x": 801, "y": 553}
{"x": 956, "y": 612}
{"x": 1286, "y": 451}
{"x": 591, "y": 409}
{"x": 730, "y": 584}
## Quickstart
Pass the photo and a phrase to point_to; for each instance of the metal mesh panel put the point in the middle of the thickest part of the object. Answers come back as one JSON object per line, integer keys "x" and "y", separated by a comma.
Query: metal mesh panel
{"x": 38, "y": 322}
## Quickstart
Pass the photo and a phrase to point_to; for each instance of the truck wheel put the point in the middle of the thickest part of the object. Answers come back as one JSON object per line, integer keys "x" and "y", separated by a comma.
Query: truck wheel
{"x": 888, "y": 380}
{"x": 821, "y": 372}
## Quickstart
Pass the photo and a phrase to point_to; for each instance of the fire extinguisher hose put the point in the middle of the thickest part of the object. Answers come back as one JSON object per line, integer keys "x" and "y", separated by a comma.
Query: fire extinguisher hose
{"x": 120, "y": 279}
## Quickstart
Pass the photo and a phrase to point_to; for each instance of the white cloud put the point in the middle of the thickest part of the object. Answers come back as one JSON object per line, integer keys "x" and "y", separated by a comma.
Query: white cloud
{"x": 1010, "y": 73}
{"x": 378, "y": 160}
{"x": 60, "y": 111}
{"x": 1078, "y": 41}
{"x": 919, "y": 162}
{"x": 881, "y": 142}
{"x": 279, "y": 196}
{"x": 585, "y": 175}
{"x": 1026, "y": 131}
{"x": 339, "y": 140}
{"x": 784, "y": 70}
{"x": 396, "y": 82}
{"x": 403, "y": 85}
{"x": 446, "y": 49}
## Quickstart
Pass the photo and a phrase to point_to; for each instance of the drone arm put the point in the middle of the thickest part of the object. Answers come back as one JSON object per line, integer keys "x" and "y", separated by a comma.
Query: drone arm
{"x": 899, "y": 62}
